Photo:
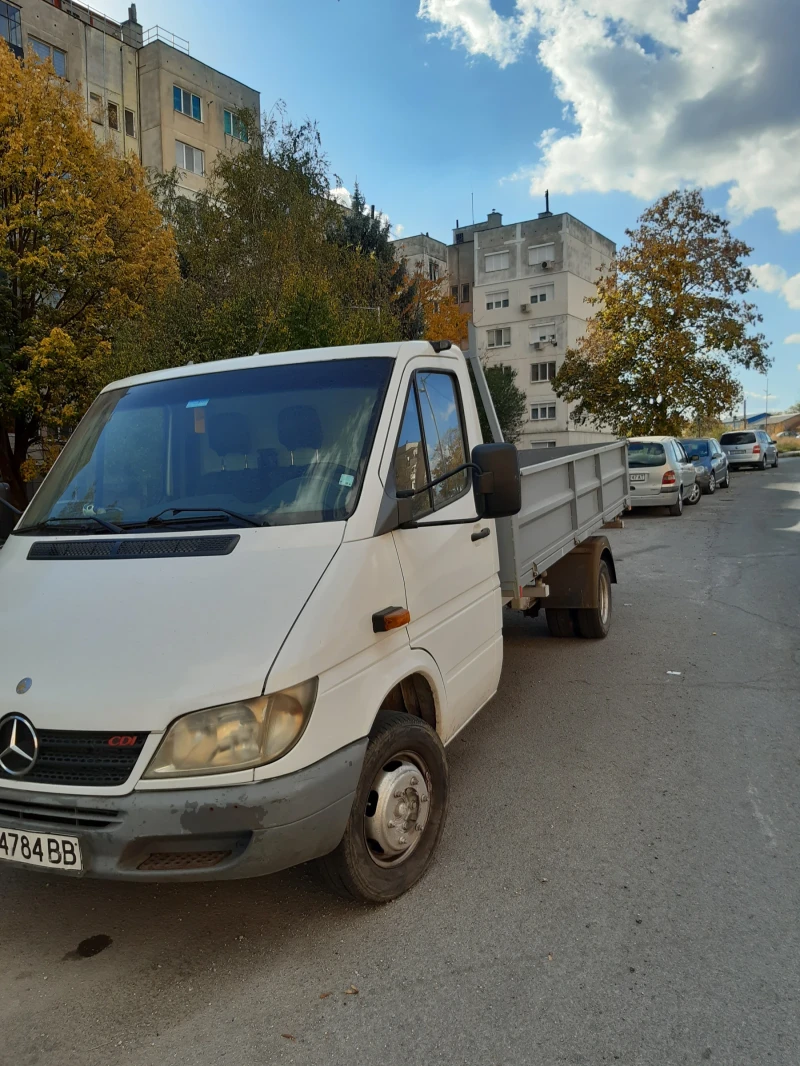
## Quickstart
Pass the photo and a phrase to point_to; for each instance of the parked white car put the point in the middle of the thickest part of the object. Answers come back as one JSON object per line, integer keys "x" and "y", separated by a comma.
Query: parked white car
{"x": 661, "y": 474}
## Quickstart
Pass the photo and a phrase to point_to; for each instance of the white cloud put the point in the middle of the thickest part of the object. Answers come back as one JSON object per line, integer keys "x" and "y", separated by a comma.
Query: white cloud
{"x": 399, "y": 229}
{"x": 793, "y": 338}
{"x": 655, "y": 97}
{"x": 342, "y": 196}
{"x": 761, "y": 395}
{"x": 775, "y": 279}
{"x": 771, "y": 278}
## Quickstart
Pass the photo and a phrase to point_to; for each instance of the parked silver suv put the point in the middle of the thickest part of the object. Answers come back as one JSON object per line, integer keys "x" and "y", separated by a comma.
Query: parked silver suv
{"x": 749, "y": 447}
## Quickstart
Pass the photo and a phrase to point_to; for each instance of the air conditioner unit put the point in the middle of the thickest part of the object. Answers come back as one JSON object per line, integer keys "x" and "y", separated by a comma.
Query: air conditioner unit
{"x": 537, "y": 346}
{"x": 525, "y": 308}
{"x": 554, "y": 342}
{"x": 546, "y": 264}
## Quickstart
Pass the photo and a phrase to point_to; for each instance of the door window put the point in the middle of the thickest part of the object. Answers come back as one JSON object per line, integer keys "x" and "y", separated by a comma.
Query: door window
{"x": 431, "y": 441}
{"x": 679, "y": 452}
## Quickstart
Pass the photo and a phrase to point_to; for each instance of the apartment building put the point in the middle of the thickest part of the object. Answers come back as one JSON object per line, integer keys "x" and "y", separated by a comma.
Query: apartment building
{"x": 424, "y": 253}
{"x": 144, "y": 92}
{"x": 525, "y": 286}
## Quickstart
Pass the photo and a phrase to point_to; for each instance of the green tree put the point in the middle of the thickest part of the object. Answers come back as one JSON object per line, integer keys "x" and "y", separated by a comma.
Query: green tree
{"x": 368, "y": 234}
{"x": 672, "y": 324}
{"x": 261, "y": 268}
{"x": 509, "y": 401}
{"x": 82, "y": 248}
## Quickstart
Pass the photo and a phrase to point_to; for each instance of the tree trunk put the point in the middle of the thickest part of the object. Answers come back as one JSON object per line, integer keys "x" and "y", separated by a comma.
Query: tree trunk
{"x": 11, "y": 463}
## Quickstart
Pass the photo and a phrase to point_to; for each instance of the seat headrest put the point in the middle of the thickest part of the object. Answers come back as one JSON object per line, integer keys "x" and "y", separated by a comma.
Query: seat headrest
{"x": 229, "y": 434}
{"x": 299, "y": 427}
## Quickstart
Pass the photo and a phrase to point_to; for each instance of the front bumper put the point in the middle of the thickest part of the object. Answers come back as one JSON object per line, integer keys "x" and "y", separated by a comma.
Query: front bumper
{"x": 214, "y": 833}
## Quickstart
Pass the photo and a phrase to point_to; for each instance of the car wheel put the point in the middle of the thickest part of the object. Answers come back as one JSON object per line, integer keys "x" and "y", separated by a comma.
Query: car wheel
{"x": 712, "y": 484}
{"x": 695, "y": 494}
{"x": 595, "y": 622}
{"x": 763, "y": 464}
{"x": 398, "y": 813}
{"x": 726, "y": 483}
{"x": 676, "y": 509}
{"x": 560, "y": 621}
{"x": 774, "y": 465}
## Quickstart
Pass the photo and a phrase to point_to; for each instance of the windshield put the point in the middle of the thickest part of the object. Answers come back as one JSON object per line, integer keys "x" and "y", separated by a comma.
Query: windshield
{"x": 272, "y": 444}
{"x": 696, "y": 447}
{"x": 645, "y": 453}
{"x": 737, "y": 438}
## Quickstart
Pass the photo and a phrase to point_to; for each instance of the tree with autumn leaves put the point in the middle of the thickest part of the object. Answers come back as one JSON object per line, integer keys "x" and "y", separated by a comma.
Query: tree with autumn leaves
{"x": 82, "y": 246}
{"x": 672, "y": 324}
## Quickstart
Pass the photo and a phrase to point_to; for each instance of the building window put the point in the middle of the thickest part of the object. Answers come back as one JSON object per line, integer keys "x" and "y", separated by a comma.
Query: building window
{"x": 543, "y": 371}
{"x": 433, "y": 270}
{"x": 96, "y": 108}
{"x": 113, "y": 115}
{"x": 496, "y": 261}
{"x": 544, "y": 294}
{"x": 543, "y": 333}
{"x": 188, "y": 158}
{"x": 45, "y": 52}
{"x": 459, "y": 238}
{"x": 542, "y": 444}
{"x": 498, "y": 338}
{"x": 234, "y": 127}
{"x": 10, "y": 27}
{"x": 130, "y": 123}
{"x": 496, "y": 299}
{"x": 543, "y": 412}
{"x": 187, "y": 103}
{"x": 541, "y": 253}
{"x": 465, "y": 293}
{"x": 454, "y": 291}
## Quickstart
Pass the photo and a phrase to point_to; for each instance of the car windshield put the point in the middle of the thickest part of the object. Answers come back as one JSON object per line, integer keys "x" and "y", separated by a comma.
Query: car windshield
{"x": 696, "y": 447}
{"x": 645, "y": 453}
{"x": 267, "y": 445}
{"x": 737, "y": 438}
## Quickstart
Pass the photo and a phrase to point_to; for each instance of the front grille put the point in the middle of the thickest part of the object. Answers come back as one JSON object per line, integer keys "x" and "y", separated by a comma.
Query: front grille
{"x": 49, "y": 814}
{"x": 82, "y": 759}
{"x": 183, "y": 860}
{"x": 136, "y": 548}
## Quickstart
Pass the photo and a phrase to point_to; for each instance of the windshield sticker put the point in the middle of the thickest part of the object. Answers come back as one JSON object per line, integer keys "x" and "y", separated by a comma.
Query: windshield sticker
{"x": 346, "y": 480}
{"x": 197, "y": 403}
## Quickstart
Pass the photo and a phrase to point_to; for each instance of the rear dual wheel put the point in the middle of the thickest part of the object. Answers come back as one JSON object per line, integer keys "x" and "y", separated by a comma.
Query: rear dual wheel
{"x": 593, "y": 623}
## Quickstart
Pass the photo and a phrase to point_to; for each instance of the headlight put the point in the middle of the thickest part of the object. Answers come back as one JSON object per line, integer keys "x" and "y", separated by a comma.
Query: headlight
{"x": 237, "y": 736}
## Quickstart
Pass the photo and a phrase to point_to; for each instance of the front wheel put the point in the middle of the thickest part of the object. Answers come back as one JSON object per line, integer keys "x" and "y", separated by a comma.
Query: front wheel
{"x": 398, "y": 813}
{"x": 726, "y": 482}
{"x": 776, "y": 461}
{"x": 595, "y": 622}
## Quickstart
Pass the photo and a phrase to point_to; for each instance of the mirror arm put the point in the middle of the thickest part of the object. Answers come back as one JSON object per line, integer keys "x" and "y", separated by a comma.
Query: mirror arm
{"x": 405, "y": 494}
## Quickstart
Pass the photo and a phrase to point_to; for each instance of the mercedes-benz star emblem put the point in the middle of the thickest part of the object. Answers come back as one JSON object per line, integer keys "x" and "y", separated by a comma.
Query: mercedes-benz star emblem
{"x": 19, "y": 745}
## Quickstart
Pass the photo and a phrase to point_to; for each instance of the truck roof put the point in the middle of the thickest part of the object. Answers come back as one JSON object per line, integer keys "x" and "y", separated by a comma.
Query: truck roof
{"x": 390, "y": 350}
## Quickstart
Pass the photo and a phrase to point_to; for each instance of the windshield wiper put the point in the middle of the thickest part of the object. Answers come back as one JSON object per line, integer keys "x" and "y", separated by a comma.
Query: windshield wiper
{"x": 42, "y": 527}
{"x": 176, "y": 512}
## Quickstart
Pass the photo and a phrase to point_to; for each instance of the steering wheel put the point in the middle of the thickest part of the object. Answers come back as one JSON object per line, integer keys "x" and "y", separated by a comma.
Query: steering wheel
{"x": 330, "y": 473}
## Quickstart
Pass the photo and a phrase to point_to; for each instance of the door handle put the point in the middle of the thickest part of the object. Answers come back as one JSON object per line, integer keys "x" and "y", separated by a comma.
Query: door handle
{"x": 481, "y": 534}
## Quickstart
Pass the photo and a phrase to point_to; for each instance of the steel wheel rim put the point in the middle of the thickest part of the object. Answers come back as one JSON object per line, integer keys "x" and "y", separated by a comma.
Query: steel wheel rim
{"x": 398, "y": 809}
{"x": 605, "y": 598}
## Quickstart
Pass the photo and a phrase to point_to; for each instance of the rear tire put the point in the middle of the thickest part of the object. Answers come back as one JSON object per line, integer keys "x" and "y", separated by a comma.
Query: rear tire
{"x": 560, "y": 622}
{"x": 676, "y": 509}
{"x": 403, "y": 786}
{"x": 763, "y": 464}
{"x": 694, "y": 495}
{"x": 595, "y": 622}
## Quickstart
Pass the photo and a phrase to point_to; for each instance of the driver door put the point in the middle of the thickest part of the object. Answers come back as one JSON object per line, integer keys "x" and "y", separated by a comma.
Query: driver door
{"x": 450, "y": 571}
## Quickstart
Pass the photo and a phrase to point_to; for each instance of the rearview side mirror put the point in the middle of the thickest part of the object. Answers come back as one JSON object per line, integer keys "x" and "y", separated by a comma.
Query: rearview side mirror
{"x": 694, "y": 458}
{"x": 498, "y": 488}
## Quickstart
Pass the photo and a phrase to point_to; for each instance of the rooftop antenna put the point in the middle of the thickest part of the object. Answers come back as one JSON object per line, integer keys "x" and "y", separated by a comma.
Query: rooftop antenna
{"x": 547, "y": 212}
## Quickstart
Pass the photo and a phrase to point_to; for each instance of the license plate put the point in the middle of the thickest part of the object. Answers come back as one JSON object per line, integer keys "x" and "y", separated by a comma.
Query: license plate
{"x": 41, "y": 849}
{"x": 738, "y": 451}
{"x": 638, "y": 477}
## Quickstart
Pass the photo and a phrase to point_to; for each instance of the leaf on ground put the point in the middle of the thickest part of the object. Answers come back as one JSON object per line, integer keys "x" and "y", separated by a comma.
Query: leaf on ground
{"x": 549, "y": 958}
{"x": 324, "y": 995}
{"x": 351, "y": 991}
{"x": 288, "y": 1036}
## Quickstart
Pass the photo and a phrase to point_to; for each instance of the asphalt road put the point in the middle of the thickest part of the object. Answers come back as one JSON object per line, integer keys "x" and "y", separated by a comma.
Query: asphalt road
{"x": 618, "y": 881}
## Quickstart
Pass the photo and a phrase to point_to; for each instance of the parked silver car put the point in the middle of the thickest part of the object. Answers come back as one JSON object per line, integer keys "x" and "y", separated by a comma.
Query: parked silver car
{"x": 661, "y": 474}
{"x": 749, "y": 447}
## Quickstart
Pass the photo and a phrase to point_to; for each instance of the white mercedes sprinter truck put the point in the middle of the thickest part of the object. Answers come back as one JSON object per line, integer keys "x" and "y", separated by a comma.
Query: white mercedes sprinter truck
{"x": 249, "y": 607}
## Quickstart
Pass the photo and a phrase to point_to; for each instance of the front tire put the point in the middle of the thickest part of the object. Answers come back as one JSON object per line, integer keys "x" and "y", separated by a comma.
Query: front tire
{"x": 398, "y": 813}
{"x": 775, "y": 464}
{"x": 595, "y": 622}
{"x": 726, "y": 484}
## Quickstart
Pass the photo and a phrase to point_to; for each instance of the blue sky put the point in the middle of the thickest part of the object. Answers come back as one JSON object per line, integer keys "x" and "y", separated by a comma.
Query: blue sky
{"x": 428, "y": 103}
